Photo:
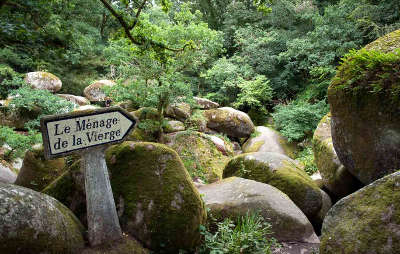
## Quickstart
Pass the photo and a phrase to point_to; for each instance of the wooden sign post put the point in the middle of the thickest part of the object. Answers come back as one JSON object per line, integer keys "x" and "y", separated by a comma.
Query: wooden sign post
{"x": 89, "y": 133}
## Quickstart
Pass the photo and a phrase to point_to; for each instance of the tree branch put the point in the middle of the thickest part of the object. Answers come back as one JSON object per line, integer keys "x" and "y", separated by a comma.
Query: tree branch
{"x": 138, "y": 14}
{"x": 128, "y": 33}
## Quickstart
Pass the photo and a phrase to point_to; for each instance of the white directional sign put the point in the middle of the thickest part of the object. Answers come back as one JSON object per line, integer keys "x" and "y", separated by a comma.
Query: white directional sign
{"x": 67, "y": 133}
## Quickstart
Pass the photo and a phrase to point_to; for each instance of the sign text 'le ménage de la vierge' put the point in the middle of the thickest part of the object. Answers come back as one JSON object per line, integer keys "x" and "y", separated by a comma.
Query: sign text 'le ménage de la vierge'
{"x": 80, "y": 130}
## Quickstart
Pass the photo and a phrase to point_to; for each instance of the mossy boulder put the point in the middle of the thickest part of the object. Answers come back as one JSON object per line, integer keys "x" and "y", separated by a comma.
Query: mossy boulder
{"x": 94, "y": 92}
{"x": 367, "y": 221}
{"x": 77, "y": 100}
{"x": 236, "y": 196}
{"x": 37, "y": 172}
{"x": 126, "y": 245}
{"x": 34, "y": 223}
{"x": 44, "y": 81}
{"x": 157, "y": 201}
{"x": 201, "y": 154}
{"x": 229, "y": 121}
{"x": 180, "y": 111}
{"x": 7, "y": 175}
{"x": 171, "y": 126}
{"x": 147, "y": 125}
{"x": 365, "y": 101}
{"x": 265, "y": 139}
{"x": 69, "y": 189}
{"x": 205, "y": 103}
{"x": 18, "y": 119}
{"x": 335, "y": 177}
{"x": 281, "y": 172}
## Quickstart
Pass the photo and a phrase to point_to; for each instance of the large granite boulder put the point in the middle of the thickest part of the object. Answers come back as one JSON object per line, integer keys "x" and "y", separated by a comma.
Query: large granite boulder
{"x": 205, "y": 103}
{"x": 171, "y": 126}
{"x": 364, "y": 99}
{"x": 265, "y": 139}
{"x": 335, "y": 177}
{"x": 229, "y": 121}
{"x": 94, "y": 92}
{"x": 77, "y": 100}
{"x": 34, "y": 223}
{"x": 37, "y": 172}
{"x": 236, "y": 196}
{"x": 156, "y": 200}
{"x": 44, "y": 81}
{"x": 367, "y": 221}
{"x": 7, "y": 175}
{"x": 281, "y": 172}
{"x": 203, "y": 155}
{"x": 180, "y": 111}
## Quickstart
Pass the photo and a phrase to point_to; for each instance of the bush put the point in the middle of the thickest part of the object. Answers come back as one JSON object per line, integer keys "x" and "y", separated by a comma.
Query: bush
{"x": 19, "y": 143}
{"x": 306, "y": 157}
{"x": 246, "y": 234}
{"x": 37, "y": 103}
{"x": 299, "y": 119}
{"x": 9, "y": 80}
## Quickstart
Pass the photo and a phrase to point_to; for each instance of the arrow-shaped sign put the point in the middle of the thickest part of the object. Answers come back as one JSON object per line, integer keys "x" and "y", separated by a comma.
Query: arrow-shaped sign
{"x": 71, "y": 132}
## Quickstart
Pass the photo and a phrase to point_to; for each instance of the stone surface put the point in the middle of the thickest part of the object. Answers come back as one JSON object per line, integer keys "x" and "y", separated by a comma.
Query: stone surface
{"x": 335, "y": 177}
{"x": 205, "y": 103}
{"x": 297, "y": 248}
{"x": 37, "y": 172}
{"x": 237, "y": 196}
{"x": 367, "y": 221}
{"x": 156, "y": 200}
{"x": 34, "y": 223}
{"x": 201, "y": 156}
{"x": 6, "y": 174}
{"x": 86, "y": 107}
{"x": 77, "y": 100}
{"x": 229, "y": 121}
{"x": 173, "y": 126}
{"x": 44, "y": 81}
{"x": 281, "y": 172}
{"x": 366, "y": 115}
{"x": 180, "y": 111}
{"x": 266, "y": 139}
{"x": 94, "y": 91}
{"x": 127, "y": 245}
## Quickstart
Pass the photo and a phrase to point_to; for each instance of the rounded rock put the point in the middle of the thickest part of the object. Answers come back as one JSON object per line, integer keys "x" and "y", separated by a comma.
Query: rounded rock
{"x": 94, "y": 91}
{"x": 43, "y": 81}
{"x": 34, "y": 223}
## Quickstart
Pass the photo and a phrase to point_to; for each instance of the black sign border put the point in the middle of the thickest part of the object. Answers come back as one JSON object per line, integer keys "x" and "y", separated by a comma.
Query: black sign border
{"x": 90, "y": 112}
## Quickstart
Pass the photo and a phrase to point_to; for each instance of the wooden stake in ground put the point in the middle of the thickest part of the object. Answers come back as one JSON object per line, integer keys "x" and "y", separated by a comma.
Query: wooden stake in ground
{"x": 89, "y": 133}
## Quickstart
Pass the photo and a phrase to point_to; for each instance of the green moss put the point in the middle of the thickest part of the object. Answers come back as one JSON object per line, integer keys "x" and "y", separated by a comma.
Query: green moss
{"x": 200, "y": 155}
{"x": 161, "y": 206}
{"x": 287, "y": 177}
{"x": 374, "y": 69}
{"x": 376, "y": 231}
{"x": 37, "y": 172}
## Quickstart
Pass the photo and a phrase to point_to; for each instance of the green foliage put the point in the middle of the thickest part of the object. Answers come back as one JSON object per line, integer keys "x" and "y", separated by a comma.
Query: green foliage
{"x": 370, "y": 70}
{"x": 34, "y": 103}
{"x": 19, "y": 143}
{"x": 9, "y": 80}
{"x": 299, "y": 119}
{"x": 306, "y": 157}
{"x": 246, "y": 234}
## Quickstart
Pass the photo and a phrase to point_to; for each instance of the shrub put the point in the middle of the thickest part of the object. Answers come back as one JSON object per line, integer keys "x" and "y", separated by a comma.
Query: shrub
{"x": 306, "y": 157}
{"x": 9, "y": 80}
{"x": 298, "y": 119}
{"x": 246, "y": 234}
{"x": 19, "y": 143}
{"x": 37, "y": 103}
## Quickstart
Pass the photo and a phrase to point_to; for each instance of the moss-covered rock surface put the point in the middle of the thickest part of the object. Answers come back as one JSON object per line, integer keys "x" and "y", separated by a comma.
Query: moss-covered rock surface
{"x": 229, "y": 121}
{"x": 236, "y": 196}
{"x": 365, "y": 100}
{"x": 265, "y": 139}
{"x": 367, "y": 221}
{"x": 34, "y": 223}
{"x": 156, "y": 199}
{"x": 43, "y": 80}
{"x": 203, "y": 156}
{"x": 37, "y": 172}
{"x": 336, "y": 178}
{"x": 281, "y": 172}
